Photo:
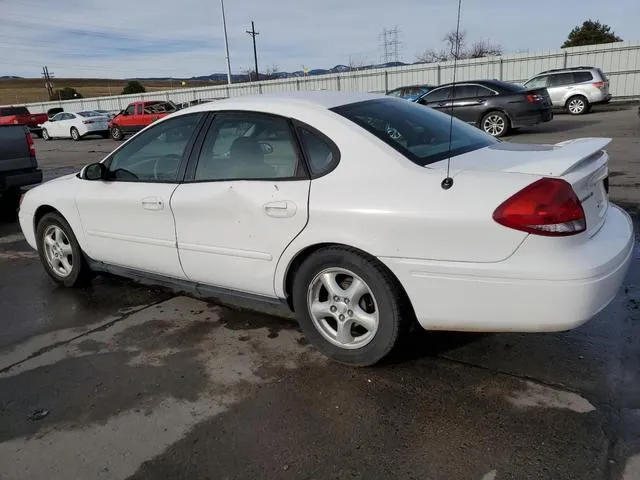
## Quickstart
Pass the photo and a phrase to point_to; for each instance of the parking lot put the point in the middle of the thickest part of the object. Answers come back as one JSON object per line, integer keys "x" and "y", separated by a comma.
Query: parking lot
{"x": 122, "y": 380}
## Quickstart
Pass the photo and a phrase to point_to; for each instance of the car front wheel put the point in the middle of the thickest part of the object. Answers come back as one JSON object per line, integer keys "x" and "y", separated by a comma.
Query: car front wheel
{"x": 45, "y": 135}
{"x": 75, "y": 135}
{"x": 60, "y": 252}
{"x": 116, "y": 133}
{"x": 349, "y": 306}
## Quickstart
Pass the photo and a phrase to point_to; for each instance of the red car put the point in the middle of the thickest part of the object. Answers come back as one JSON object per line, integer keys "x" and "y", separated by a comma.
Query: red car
{"x": 21, "y": 116}
{"x": 137, "y": 116}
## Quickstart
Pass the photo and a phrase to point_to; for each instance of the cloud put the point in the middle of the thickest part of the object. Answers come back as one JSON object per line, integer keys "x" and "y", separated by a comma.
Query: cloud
{"x": 124, "y": 38}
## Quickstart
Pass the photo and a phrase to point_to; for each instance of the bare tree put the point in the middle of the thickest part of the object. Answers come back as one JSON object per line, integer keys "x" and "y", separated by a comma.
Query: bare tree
{"x": 456, "y": 43}
{"x": 432, "y": 56}
{"x": 270, "y": 72}
{"x": 484, "y": 48}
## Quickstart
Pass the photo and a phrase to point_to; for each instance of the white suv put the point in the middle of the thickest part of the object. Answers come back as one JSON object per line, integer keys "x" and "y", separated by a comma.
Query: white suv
{"x": 574, "y": 89}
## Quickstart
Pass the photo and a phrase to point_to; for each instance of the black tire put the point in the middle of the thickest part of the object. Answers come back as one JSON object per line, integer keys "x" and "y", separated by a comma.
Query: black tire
{"x": 105, "y": 134}
{"x": 116, "y": 133}
{"x": 45, "y": 135}
{"x": 75, "y": 135}
{"x": 577, "y": 105}
{"x": 495, "y": 123}
{"x": 39, "y": 134}
{"x": 80, "y": 274}
{"x": 395, "y": 314}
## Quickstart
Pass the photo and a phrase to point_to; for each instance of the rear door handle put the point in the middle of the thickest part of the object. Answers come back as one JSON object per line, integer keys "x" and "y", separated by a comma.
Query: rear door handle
{"x": 152, "y": 203}
{"x": 280, "y": 209}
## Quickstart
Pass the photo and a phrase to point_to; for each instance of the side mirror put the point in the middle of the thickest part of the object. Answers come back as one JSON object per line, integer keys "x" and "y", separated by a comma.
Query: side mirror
{"x": 94, "y": 171}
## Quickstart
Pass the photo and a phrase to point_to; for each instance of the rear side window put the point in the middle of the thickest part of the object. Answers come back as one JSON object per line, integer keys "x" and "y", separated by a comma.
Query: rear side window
{"x": 465, "y": 91}
{"x": 579, "y": 77}
{"x": 10, "y": 111}
{"x": 560, "y": 79}
{"x": 421, "y": 134}
{"x": 437, "y": 95}
{"x": 321, "y": 153}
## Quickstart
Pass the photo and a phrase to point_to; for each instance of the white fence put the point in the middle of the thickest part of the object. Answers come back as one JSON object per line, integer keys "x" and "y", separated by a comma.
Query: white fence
{"x": 620, "y": 61}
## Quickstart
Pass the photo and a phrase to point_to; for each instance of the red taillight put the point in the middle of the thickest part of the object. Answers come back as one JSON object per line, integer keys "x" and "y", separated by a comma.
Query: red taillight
{"x": 32, "y": 147}
{"x": 547, "y": 207}
{"x": 533, "y": 98}
{"x": 599, "y": 84}
{"x": 15, "y": 121}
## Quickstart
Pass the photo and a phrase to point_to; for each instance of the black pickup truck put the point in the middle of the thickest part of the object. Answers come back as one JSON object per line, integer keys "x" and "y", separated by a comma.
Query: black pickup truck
{"x": 18, "y": 163}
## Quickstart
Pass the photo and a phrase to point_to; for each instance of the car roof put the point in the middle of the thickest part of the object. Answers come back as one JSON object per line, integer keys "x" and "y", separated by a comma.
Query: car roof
{"x": 323, "y": 99}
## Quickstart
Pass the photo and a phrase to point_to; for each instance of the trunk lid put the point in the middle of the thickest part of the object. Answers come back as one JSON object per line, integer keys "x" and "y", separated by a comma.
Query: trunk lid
{"x": 581, "y": 162}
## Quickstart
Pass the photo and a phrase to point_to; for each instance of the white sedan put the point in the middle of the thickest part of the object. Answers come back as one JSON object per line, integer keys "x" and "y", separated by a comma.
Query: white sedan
{"x": 76, "y": 125}
{"x": 340, "y": 206}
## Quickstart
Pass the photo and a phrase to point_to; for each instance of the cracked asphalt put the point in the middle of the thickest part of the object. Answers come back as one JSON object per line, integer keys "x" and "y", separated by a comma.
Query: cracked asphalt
{"x": 132, "y": 381}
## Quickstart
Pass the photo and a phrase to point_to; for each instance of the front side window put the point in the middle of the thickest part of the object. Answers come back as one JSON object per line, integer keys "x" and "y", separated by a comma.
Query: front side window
{"x": 155, "y": 154}
{"x": 421, "y": 134}
{"x": 538, "y": 82}
{"x": 131, "y": 109}
{"x": 437, "y": 95}
{"x": 248, "y": 146}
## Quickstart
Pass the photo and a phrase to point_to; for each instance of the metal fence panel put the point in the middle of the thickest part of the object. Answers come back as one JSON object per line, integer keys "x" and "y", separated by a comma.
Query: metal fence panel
{"x": 620, "y": 61}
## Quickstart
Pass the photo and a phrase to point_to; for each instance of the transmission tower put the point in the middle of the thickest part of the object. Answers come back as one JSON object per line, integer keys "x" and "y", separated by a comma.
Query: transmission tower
{"x": 390, "y": 45}
{"x": 48, "y": 84}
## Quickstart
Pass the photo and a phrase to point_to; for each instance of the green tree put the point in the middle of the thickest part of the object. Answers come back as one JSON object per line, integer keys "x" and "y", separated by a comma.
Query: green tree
{"x": 590, "y": 33}
{"x": 66, "y": 93}
{"x": 133, "y": 86}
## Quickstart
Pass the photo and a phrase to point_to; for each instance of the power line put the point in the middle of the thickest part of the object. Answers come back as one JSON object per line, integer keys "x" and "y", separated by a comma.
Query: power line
{"x": 48, "y": 84}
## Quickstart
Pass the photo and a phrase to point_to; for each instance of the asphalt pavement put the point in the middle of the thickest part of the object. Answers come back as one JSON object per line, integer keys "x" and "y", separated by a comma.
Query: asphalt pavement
{"x": 121, "y": 380}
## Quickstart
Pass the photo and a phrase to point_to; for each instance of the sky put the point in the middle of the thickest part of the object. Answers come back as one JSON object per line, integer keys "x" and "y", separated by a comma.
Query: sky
{"x": 184, "y": 38}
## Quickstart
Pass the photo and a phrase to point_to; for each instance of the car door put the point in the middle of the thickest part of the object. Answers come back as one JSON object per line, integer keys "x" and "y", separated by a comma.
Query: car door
{"x": 244, "y": 200}
{"x": 438, "y": 99}
{"x": 128, "y": 119}
{"x": 465, "y": 103}
{"x": 53, "y": 126}
{"x": 126, "y": 218}
{"x": 559, "y": 86}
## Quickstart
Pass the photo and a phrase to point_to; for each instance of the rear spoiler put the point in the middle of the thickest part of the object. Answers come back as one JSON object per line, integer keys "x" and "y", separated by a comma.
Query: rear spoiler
{"x": 563, "y": 157}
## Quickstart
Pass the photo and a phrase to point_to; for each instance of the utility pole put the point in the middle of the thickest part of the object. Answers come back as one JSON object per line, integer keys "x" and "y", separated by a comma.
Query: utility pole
{"x": 47, "y": 80}
{"x": 253, "y": 34}
{"x": 226, "y": 43}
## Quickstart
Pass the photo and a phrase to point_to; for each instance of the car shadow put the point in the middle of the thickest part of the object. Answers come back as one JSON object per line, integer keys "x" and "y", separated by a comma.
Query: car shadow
{"x": 8, "y": 210}
{"x": 420, "y": 343}
{"x": 553, "y": 127}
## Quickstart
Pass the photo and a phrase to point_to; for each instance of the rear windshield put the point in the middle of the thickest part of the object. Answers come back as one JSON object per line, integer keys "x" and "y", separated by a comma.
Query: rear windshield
{"x": 10, "y": 111}
{"x": 89, "y": 114}
{"x": 420, "y": 133}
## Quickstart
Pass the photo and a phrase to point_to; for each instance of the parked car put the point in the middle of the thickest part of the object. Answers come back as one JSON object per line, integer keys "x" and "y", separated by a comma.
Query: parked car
{"x": 76, "y": 125}
{"x": 575, "y": 89}
{"x": 199, "y": 101}
{"x": 410, "y": 92}
{"x": 22, "y": 116}
{"x": 307, "y": 200}
{"x": 137, "y": 116}
{"x": 492, "y": 105}
{"x": 18, "y": 163}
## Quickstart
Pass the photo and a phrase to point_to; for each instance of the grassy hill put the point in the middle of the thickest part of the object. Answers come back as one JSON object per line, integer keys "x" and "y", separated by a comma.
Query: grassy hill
{"x": 26, "y": 90}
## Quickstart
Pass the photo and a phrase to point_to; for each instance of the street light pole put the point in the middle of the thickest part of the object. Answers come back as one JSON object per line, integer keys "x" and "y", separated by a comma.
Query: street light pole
{"x": 226, "y": 43}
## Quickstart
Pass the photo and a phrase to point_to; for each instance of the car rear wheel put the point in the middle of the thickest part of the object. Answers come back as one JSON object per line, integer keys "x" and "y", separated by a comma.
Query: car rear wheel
{"x": 577, "y": 105}
{"x": 495, "y": 124}
{"x": 116, "y": 133}
{"x": 349, "y": 306}
{"x": 45, "y": 135}
{"x": 60, "y": 252}
{"x": 75, "y": 135}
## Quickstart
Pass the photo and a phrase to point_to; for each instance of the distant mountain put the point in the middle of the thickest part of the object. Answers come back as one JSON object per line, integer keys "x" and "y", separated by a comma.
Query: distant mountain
{"x": 9, "y": 77}
{"x": 222, "y": 77}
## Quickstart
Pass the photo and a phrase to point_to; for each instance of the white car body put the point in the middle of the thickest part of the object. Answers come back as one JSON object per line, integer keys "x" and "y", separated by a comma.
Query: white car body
{"x": 461, "y": 270}
{"x": 86, "y": 123}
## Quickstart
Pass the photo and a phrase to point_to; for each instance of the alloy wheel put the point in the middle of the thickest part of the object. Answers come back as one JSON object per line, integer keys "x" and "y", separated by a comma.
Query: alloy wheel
{"x": 494, "y": 125}
{"x": 343, "y": 308}
{"x": 58, "y": 251}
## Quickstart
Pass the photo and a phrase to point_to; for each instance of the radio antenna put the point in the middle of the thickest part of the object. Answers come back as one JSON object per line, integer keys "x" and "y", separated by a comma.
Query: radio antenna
{"x": 447, "y": 183}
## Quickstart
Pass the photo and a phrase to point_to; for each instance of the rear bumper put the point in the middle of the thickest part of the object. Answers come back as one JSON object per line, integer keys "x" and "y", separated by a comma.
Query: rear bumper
{"x": 19, "y": 179}
{"x": 528, "y": 118}
{"x": 605, "y": 99}
{"x": 535, "y": 290}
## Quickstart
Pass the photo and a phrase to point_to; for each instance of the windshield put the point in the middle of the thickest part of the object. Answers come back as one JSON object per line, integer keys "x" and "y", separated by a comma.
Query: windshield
{"x": 418, "y": 132}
